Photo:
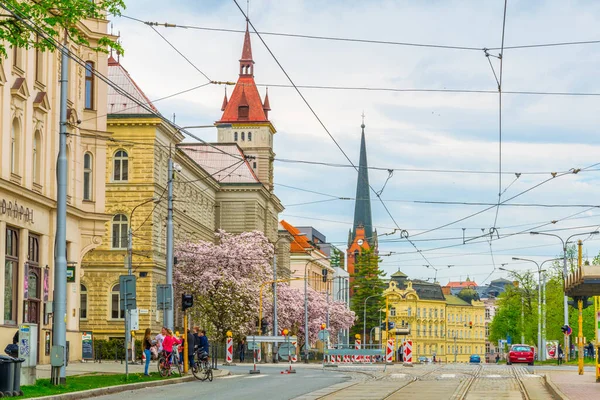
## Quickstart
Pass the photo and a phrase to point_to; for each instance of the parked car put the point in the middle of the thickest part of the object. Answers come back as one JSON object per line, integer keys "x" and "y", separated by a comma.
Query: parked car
{"x": 423, "y": 359}
{"x": 475, "y": 359}
{"x": 520, "y": 353}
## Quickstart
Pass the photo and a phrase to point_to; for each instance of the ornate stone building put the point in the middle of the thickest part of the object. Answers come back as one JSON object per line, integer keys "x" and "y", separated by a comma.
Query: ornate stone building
{"x": 219, "y": 187}
{"x": 29, "y": 120}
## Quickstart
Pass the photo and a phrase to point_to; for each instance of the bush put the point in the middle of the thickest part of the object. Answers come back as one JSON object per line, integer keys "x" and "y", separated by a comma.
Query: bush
{"x": 114, "y": 349}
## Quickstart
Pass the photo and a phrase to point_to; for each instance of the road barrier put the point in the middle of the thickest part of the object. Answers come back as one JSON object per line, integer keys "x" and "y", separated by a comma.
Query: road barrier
{"x": 229, "y": 351}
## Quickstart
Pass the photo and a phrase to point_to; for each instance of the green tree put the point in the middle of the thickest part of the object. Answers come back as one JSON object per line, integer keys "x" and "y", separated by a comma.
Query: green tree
{"x": 53, "y": 18}
{"x": 367, "y": 281}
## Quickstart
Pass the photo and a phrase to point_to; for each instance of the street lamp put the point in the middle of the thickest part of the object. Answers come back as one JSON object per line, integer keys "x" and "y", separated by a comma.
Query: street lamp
{"x": 365, "y": 314}
{"x": 565, "y": 273}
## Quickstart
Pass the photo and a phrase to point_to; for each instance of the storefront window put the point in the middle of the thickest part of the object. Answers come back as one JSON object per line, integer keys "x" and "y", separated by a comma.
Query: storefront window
{"x": 11, "y": 268}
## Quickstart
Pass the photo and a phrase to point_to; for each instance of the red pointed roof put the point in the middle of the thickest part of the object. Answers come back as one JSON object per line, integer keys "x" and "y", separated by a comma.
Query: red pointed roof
{"x": 247, "y": 49}
{"x": 224, "y": 105}
{"x": 245, "y": 92}
{"x": 266, "y": 104}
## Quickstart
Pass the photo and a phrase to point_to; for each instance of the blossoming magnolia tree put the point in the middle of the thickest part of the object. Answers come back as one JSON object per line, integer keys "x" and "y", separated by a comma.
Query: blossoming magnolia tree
{"x": 290, "y": 313}
{"x": 224, "y": 278}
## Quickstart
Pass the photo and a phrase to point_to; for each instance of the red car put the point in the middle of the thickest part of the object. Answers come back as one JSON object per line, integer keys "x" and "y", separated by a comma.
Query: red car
{"x": 520, "y": 353}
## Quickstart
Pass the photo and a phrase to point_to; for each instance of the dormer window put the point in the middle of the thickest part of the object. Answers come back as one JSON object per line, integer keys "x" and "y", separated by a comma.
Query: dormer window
{"x": 243, "y": 111}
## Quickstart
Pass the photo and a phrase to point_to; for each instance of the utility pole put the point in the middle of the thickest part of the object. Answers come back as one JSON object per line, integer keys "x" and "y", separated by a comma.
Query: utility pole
{"x": 59, "y": 313}
{"x": 168, "y": 314}
{"x": 275, "y": 327}
{"x": 580, "y": 315}
{"x": 522, "y": 319}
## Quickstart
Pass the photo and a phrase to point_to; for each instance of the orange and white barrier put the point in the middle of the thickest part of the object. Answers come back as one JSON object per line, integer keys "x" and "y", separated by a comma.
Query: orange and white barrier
{"x": 229, "y": 351}
{"x": 294, "y": 355}
{"x": 408, "y": 351}
{"x": 389, "y": 351}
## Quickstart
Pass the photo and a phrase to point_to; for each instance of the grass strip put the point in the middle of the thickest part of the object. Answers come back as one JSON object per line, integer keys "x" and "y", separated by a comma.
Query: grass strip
{"x": 43, "y": 387}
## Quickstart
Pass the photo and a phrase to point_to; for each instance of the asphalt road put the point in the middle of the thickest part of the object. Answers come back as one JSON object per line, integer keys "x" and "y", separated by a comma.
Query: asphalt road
{"x": 270, "y": 384}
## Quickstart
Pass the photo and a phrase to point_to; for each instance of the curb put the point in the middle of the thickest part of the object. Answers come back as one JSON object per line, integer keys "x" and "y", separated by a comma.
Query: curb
{"x": 553, "y": 389}
{"x": 86, "y": 394}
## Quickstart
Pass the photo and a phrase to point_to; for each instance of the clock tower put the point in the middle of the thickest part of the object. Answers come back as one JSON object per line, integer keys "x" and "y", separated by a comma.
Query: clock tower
{"x": 362, "y": 236}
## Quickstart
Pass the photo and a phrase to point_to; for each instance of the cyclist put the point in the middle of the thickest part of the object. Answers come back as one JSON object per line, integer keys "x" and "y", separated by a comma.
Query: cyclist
{"x": 168, "y": 343}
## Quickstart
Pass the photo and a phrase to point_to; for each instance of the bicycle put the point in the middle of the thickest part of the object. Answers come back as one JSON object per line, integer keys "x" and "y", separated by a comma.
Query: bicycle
{"x": 165, "y": 365}
{"x": 201, "y": 368}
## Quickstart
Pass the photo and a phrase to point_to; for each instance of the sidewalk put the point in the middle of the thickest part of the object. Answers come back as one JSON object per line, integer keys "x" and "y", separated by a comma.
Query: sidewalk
{"x": 571, "y": 385}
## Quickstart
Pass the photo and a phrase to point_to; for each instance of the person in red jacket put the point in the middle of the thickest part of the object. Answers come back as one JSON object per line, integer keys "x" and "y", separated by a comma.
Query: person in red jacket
{"x": 168, "y": 343}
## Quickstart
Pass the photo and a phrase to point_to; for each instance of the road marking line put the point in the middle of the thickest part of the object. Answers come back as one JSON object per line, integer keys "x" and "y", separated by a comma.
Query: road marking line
{"x": 446, "y": 376}
{"x": 256, "y": 376}
{"x": 400, "y": 376}
{"x": 493, "y": 376}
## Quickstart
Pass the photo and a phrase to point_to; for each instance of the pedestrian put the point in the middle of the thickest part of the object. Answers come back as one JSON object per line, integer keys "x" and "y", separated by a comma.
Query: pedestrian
{"x": 191, "y": 342}
{"x": 159, "y": 339}
{"x": 13, "y": 348}
{"x": 497, "y": 358}
{"x": 242, "y": 350}
{"x": 560, "y": 354}
{"x": 147, "y": 347}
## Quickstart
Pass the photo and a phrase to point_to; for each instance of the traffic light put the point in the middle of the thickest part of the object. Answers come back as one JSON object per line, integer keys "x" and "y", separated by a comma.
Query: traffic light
{"x": 564, "y": 329}
{"x": 187, "y": 301}
{"x": 470, "y": 324}
{"x": 585, "y": 299}
{"x": 324, "y": 272}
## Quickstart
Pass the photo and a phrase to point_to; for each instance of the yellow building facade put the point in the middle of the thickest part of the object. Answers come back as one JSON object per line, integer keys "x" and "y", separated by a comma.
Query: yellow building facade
{"x": 439, "y": 325}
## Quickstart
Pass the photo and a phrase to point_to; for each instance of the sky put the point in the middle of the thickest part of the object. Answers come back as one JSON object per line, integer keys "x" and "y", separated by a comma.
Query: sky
{"x": 406, "y": 131}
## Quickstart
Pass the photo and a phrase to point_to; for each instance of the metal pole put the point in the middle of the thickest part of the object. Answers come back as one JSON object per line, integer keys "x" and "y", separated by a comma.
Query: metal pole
{"x": 275, "y": 327}
{"x": 364, "y": 336}
{"x": 306, "y": 340}
{"x": 59, "y": 318}
{"x": 186, "y": 345}
{"x": 522, "y": 320}
{"x": 565, "y": 302}
{"x": 126, "y": 314}
{"x": 539, "y": 341}
{"x": 169, "y": 272}
{"x": 327, "y": 315}
{"x": 544, "y": 318}
{"x": 580, "y": 315}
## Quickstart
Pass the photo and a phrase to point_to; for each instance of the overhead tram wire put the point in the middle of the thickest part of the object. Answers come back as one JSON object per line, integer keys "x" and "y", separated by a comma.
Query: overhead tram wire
{"x": 367, "y": 41}
{"x": 33, "y": 27}
{"x": 322, "y": 124}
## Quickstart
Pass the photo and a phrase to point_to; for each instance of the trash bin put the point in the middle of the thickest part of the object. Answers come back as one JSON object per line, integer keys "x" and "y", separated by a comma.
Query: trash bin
{"x": 7, "y": 376}
{"x": 17, "y": 378}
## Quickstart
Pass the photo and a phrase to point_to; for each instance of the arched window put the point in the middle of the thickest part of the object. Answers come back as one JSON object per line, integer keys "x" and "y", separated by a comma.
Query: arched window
{"x": 89, "y": 85}
{"x": 87, "y": 176}
{"x": 37, "y": 152}
{"x": 121, "y": 166}
{"x": 119, "y": 232}
{"x": 15, "y": 145}
{"x": 235, "y": 136}
{"x": 249, "y": 136}
{"x": 115, "y": 300}
{"x": 83, "y": 302}
{"x": 243, "y": 136}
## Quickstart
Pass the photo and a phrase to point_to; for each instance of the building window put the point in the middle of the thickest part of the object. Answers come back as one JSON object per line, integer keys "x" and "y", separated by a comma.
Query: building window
{"x": 89, "y": 85}
{"x": 243, "y": 136}
{"x": 36, "y": 157}
{"x": 121, "y": 166}
{"x": 83, "y": 302}
{"x": 487, "y": 313}
{"x": 249, "y": 136}
{"x": 235, "y": 136}
{"x": 31, "y": 311}
{"x": 119, "y": 232}
{"x": 15, "y": 139}
{"x": 87, "y": 176}
{"x": 115, "y": 303}
{"x": 418, "y": 313}
{"x": 436, "y": 313}
{"x": 409, "y": 312}
{"x": 393, "y": 312}
{"x": 243, "y": 112}
{"x": 11, "y": 268}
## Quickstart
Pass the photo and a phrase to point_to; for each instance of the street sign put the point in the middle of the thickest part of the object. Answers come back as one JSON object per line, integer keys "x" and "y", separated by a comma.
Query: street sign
{"x": 127, "y": 292}
{"x": 269, "y": 339}
{"x": 323, "y": 334}
{"x": 508, "y": 340}
{"x": 163, "y": 297}
{"x": 285, "y": 349}
{"x": 253, "y": 345}
{"x": 569, "y": 331}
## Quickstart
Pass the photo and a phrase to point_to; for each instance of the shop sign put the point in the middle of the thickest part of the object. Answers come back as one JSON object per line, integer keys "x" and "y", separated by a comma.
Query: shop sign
{"x": 13, "y": 210}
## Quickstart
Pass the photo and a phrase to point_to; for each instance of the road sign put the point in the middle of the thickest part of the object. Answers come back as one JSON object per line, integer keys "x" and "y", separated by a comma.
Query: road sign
{"x": 127, "y": 292}
{"x": 323, "y": 334}
{"x": 508, "y": 340}
{"x": 285, "y": 349}
{"x": 253, "y": 345}
{"x": 269, "y": 339}
{"x": 569, "y": 331}
{"x": 163, "y": 297}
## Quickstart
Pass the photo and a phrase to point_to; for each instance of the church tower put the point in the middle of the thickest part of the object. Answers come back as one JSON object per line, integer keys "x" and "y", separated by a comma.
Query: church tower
{"x": 362, "y": 236}
{"x": 245, "y": 119}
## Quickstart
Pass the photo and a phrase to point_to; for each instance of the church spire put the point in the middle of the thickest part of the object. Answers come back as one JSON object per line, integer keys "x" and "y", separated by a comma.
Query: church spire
{"x": 246, "y": 62}
{"x": 362, "y": 206}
